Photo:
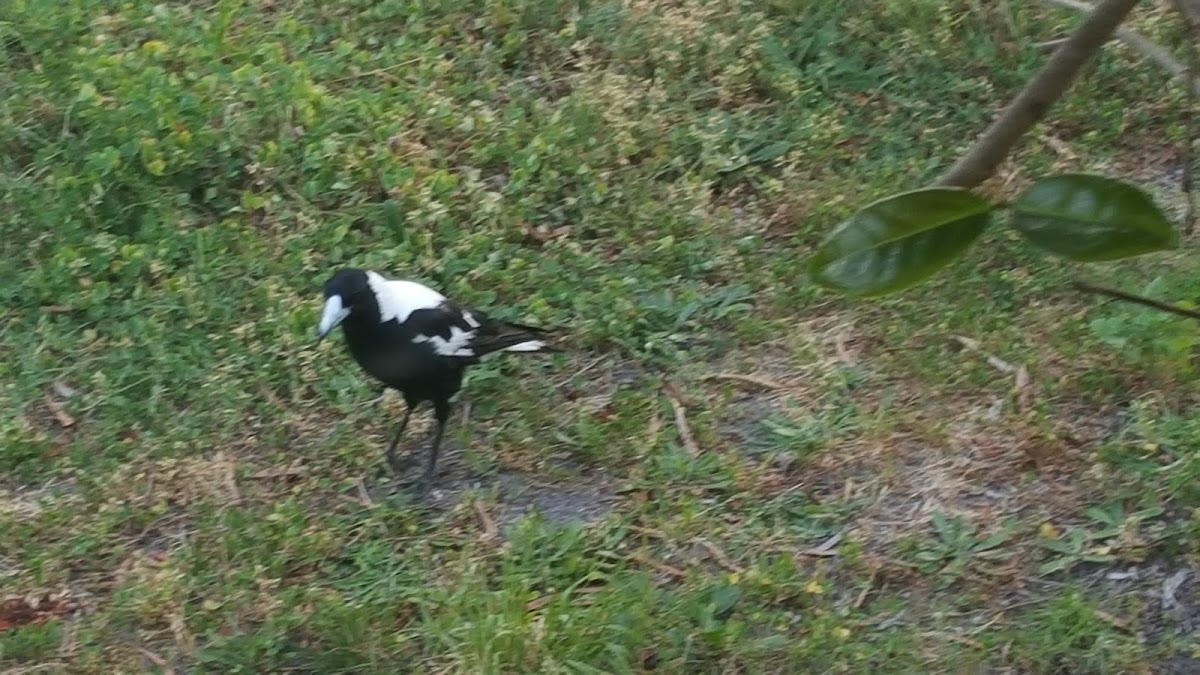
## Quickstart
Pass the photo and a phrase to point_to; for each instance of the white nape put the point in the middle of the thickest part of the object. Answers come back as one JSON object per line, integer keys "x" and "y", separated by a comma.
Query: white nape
{"x": 398, "y": 299}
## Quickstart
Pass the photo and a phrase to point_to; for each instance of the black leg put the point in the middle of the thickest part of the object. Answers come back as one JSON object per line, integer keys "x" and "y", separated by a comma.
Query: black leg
{"x": 441, "y": 411}
{"x": 391, "y": 451}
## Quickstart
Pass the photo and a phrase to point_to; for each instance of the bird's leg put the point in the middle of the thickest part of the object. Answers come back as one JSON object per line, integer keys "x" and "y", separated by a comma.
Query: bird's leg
{"x": 391, "y": 451}
{"x": 441, "y": 411}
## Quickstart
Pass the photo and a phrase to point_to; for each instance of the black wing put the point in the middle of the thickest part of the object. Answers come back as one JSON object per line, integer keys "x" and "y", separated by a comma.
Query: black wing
{"x": 468, "y": 334}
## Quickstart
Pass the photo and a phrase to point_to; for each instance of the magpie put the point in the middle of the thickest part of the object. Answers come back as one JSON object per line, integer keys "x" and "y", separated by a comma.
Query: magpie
{"x": 413, "y": 339}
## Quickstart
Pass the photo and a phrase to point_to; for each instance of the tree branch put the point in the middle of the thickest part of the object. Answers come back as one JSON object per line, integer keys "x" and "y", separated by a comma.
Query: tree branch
{"x": 1035, "y": 100}
{"x": 1190, "y": 9}
{"x": 1143, "y": 46}
{"x": 1136, "y": 299}
{"x": 1189, "y": 12}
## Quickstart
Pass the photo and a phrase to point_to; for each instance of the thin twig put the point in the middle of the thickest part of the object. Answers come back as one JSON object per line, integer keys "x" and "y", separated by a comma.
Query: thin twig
{"x": 235, "y": 492}
{"x": 862, "y": 595}
{"x": 156, "y": 660}
{"x": 583, "y": 594}
{"x": 1190, "y": 14}
{"x": 65, "y": 420}
{"x": 660, "y": 566}
{"x": 1086, "y": 287}
{"x": 267, "y": 474}
{"x": 485, "y": 521}
{"x": 363, "y": 495}
{"x": 652, "y": 429}
{"x": 685, "y": 431}
{"x": 378, "y": 72}
{"x": 1021, "y": 387}
{"x": 1143, "y": 46}
{"x": 720, "y": 556}
{"x": 843, "y": 352}
{"x": 746, "y": 379}
{"x": 827, "y": 548}
{"x": 1115, "y": 622}
{"x": 993, "y": 360}
{"x": 1049, "y": 45}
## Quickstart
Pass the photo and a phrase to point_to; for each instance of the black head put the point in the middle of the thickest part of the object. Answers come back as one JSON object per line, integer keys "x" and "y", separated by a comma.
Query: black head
{"x": 348, "y": 282}
{"x": 347, "y": 291}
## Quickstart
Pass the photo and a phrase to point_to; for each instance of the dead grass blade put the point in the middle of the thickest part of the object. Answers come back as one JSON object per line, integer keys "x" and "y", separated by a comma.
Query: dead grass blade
{"x": 490, "y": 532}
{"x": 235, "y": 494}
{"x": 659, "y": 566}
{"x": 993, "y": 360}
{"x": 1114, "y": 621}
{"x": 843, "y": 352}
{"x": 720, "y": 556}
{"x": 56, "y": 408}
{"x": 825, "y": 549}
{"x": 681, "y": 423}
{"x": 267, "y": 474}
{"x": 183, "y": 637}
{"x": 156, "y": 660}
{"x": 754, "y": 380}
{"x": 543, "y": 600}
{"x": 862, "y": 595}
{"x": 363, "y": 495}
{"x": 653, "y": 429}
{"x": 1022, "y": 388}
{"x": 63, "y": 389}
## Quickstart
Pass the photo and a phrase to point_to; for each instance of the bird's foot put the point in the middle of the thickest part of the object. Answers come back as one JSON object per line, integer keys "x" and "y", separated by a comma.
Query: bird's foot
{"x": 418, "y": 487}
{"x": 421, "y": 487}
{"x": 396, "y": 466}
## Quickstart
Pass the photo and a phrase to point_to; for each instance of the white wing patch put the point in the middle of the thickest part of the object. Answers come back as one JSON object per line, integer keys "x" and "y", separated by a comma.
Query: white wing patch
{"x": 398, "y": 299}
{"x": 459, "y": 343}
{"x": 528, "y": 346}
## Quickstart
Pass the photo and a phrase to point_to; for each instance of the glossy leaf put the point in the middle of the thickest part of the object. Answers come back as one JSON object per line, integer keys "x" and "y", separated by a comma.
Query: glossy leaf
{"x": 899, "y": 241}
{"x": 1091, "y": 218}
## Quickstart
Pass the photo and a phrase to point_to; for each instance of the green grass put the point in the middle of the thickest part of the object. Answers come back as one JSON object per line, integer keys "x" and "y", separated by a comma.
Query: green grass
{"x": 188, "y": 483}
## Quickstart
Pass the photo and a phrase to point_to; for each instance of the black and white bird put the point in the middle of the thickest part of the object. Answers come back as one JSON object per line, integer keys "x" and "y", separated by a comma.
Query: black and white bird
{"x": 412, "y": 339}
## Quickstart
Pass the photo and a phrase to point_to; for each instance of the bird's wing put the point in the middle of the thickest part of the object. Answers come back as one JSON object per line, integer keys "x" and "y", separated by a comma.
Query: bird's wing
{"x": 460, "y": 333}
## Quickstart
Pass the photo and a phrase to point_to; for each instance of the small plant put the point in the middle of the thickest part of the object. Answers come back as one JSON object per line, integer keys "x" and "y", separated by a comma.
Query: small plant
{"x": 1155, "y": 337}
{"x": 793, "y": 440}
{"x": 956, "y": 544}
{"x": 1078, "y": 546}
{"x": 1096, "y": 544}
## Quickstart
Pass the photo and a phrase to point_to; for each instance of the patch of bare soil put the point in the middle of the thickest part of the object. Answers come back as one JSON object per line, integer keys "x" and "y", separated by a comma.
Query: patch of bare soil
{"x": 519, "y": 494}
{"x": 559, "y": 504}
{"x": 1168, "y": 593}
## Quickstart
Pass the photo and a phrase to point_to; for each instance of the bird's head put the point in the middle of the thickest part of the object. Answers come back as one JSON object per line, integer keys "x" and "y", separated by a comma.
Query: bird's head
{"x": 347, "y": 291}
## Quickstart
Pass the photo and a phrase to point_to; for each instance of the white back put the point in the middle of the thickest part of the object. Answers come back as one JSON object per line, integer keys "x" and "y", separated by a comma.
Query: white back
{"x": 398, "y": 298}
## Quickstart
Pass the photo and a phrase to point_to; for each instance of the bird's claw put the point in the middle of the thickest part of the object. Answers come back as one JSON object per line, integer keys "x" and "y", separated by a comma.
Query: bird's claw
{"x": 418, "y": 487}
{"x": 421, "y": 487}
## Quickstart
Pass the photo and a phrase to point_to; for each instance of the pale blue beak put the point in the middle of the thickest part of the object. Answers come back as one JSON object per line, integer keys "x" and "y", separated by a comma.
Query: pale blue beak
{"x": 333, "y": 314}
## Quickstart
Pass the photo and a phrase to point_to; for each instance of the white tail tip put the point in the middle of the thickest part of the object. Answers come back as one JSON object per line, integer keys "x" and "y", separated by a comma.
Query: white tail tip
{"x": 528, "y": 346}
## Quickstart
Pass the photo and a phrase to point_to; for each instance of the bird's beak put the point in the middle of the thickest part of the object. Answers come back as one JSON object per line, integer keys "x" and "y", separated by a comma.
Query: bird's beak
{"x": 333, "y": 314}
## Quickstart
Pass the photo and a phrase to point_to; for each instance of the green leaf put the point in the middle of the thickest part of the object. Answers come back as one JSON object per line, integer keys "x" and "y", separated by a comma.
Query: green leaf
{"x": 769, "y": 152}
{"x": 1091, "y": 218}
{"x": 87, "y": 92}
{"x": 1060, "y": 546}
{"x": 994, "y": 540}
{"x": 1054, "y": 566}
{"x": 899, "y": 241}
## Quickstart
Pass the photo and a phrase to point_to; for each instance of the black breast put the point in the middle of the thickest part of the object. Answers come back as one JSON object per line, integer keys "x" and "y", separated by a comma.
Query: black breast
{"x": 387, "y": 352}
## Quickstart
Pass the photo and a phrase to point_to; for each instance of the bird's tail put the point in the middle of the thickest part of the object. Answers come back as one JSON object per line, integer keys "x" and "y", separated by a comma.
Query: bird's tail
{"x": 516, "y": 337}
